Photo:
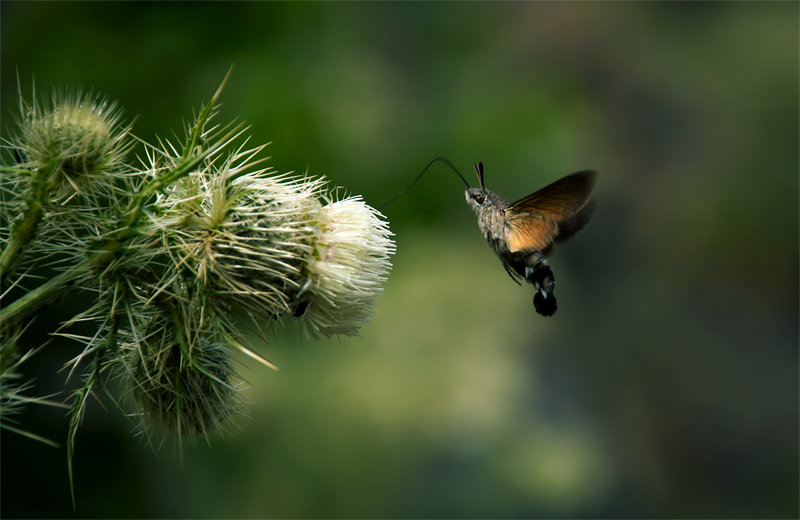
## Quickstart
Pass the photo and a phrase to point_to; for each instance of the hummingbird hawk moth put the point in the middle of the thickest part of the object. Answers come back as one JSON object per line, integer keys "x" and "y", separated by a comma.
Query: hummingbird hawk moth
{"x": 522, "y": 233}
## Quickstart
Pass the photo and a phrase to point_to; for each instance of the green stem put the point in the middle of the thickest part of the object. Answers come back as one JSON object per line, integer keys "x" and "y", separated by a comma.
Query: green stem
{"x": 41, "y": 296}
{"x": 24, "y": 227}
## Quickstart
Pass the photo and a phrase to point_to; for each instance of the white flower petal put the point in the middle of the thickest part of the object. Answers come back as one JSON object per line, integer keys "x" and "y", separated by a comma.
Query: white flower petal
{"x": 347, "y": 267}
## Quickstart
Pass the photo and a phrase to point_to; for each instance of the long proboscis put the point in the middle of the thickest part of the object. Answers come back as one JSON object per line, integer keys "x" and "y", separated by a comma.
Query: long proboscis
{"x": 440, "y": 159}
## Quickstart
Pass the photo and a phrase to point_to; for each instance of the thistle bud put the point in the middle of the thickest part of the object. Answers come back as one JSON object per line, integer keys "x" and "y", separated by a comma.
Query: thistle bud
{"x": 82, "y": 137}
{"x": 187, "y": 393}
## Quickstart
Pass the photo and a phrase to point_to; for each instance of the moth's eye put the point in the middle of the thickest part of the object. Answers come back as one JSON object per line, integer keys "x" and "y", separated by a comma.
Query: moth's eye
{"x": 479, "y": 198}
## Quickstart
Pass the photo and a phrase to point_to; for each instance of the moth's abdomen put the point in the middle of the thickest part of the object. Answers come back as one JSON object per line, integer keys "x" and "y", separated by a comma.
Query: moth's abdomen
{"x": 535, "y": 268}
{"x": 545, "y": 306}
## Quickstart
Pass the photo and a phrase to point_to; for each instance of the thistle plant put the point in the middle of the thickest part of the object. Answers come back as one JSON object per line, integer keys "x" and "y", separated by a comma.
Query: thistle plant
{"x": 181, "y": 253}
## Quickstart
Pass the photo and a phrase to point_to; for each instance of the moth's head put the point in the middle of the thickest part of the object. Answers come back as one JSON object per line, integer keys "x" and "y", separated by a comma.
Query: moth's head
{"x": 479, "y": 198}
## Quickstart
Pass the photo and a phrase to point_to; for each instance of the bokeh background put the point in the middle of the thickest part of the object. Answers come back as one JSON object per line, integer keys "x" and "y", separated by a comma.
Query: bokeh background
{"x": 665, "y": 386}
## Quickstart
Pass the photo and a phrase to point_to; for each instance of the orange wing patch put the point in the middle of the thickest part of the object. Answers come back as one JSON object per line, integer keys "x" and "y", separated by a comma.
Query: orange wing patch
{"x": 528, "y": 232}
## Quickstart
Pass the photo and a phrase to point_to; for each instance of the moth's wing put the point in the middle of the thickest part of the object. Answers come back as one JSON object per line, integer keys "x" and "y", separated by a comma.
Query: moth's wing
{"x": 555, "y": 212}
{"x": 528, "y": 231}
{"x": 561, "y": 200}
{"x": 568, "y": 228}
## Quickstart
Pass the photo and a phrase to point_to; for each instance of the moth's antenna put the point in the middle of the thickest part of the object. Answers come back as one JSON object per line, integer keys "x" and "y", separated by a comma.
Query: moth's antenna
{"x": 479, "y": 171}
{"x": 442, "y": 159}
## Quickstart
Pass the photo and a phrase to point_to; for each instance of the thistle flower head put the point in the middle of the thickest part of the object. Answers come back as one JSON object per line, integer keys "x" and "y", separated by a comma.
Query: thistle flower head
{"x": 242, "y": 235}
{"x": 345, "y": 268}
{"x": 265, "y": 244}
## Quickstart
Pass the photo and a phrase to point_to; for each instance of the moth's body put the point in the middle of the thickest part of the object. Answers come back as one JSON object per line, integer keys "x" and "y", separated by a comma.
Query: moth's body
{"x": 522, "y": 233}
{"x": 491, "y": 218}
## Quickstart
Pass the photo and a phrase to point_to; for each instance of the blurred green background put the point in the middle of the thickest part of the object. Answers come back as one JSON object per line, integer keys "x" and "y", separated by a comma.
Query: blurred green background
{"x": 665, "y": 386}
